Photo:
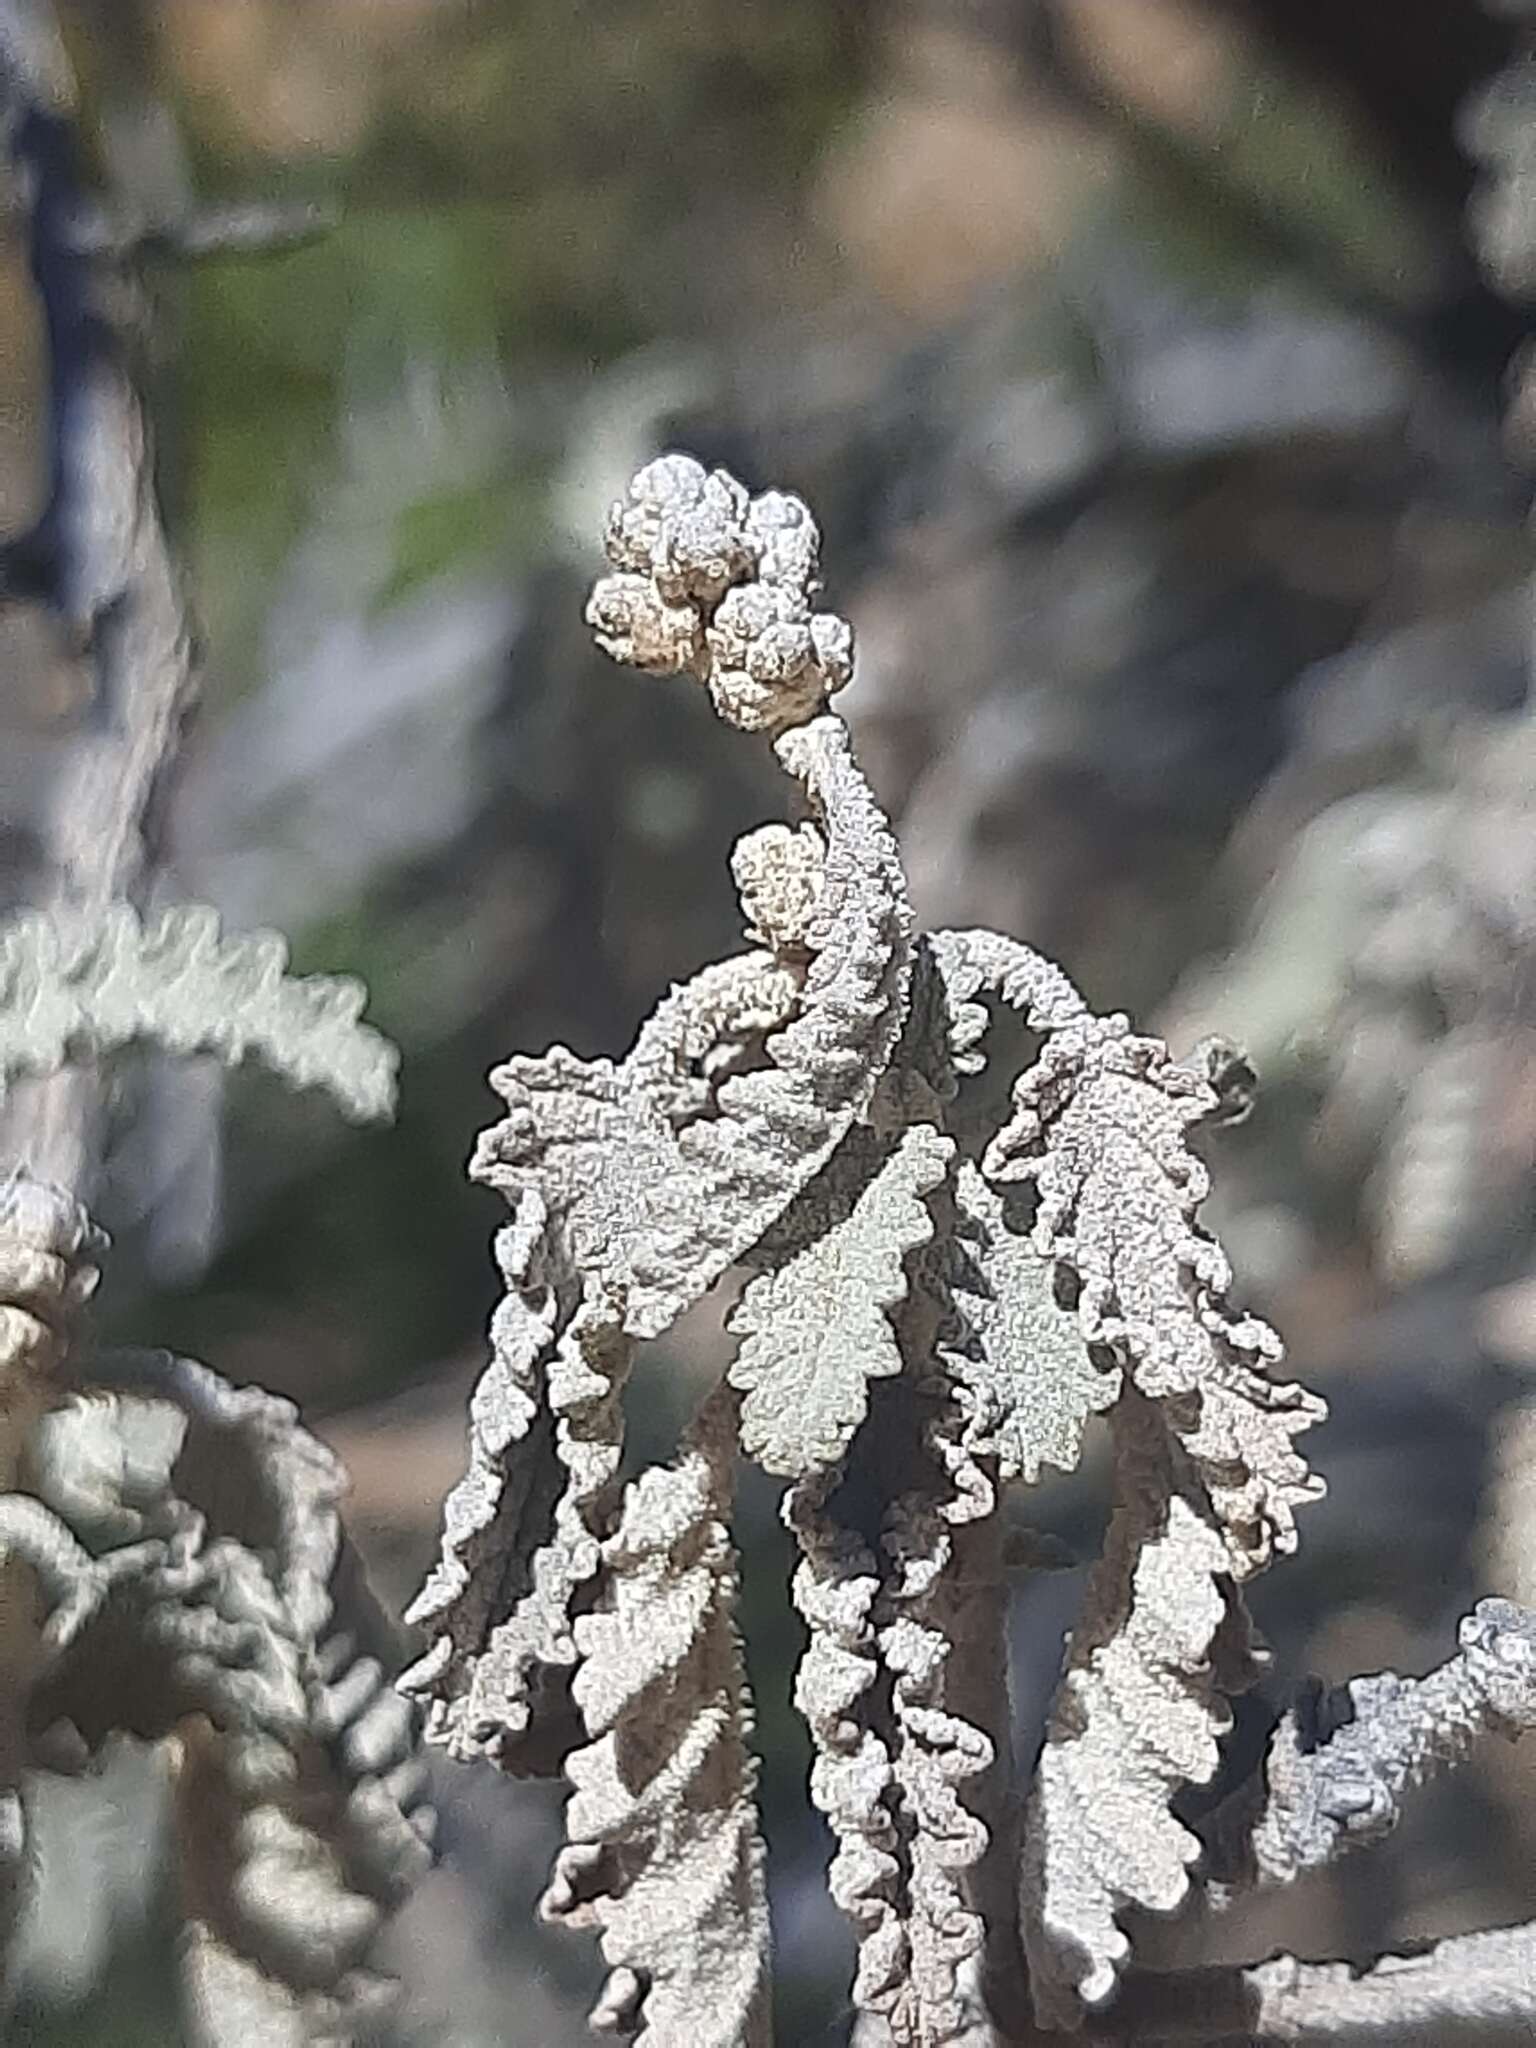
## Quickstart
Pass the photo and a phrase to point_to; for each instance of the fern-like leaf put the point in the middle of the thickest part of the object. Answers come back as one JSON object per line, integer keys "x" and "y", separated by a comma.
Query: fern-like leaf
{"x": 80, "y": 989}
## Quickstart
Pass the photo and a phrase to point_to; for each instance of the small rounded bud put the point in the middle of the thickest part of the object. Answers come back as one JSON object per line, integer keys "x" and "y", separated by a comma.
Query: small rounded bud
{"x": 780, "y": 874}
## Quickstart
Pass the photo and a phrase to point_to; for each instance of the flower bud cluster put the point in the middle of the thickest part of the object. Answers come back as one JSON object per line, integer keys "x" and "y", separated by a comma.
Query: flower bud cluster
{"x": 712, "y": 582}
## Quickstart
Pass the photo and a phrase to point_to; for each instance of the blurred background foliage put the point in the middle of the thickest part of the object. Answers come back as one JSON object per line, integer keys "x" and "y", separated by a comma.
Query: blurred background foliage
{"x": 1135, "y": 358}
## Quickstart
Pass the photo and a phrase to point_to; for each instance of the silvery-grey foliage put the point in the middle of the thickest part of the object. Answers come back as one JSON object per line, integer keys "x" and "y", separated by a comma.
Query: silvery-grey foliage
{"x": 935, "y": 1301}
{"x": 80, "y": 988}
{"x": 174, "y": 1570}
{"x": 172, "y": 1565}
{"x": 931, "y": 1310}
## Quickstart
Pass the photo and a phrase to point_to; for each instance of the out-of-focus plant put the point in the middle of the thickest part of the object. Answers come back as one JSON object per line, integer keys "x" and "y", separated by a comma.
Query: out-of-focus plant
{"x": 172, "y": 1563}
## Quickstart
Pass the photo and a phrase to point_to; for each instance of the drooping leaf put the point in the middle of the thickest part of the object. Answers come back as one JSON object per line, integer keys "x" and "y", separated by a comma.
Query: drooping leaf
{"x": 901, "y": 1700}
{"x": 1139, "y": 1715}
{"x": 944, "y": 1746}
{"x": 1099, "y": 1131}
{"x": 224, "y": 1609}
{"x": 520, "y": 1538}
{"x": 664, "y": 1853}
{"x": 853, "y": 1785}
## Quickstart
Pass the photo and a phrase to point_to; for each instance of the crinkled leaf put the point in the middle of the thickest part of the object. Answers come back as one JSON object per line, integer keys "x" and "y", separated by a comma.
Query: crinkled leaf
{"x": 898, "y": 1739}
{"x": 975, "y": 963}
{"x": 654, "y": 1209}
{"x": 938, "y": 1752}
{"x": 1139, "y": 1715}
{"x": 818, "y": 1327}
{"x": 1016, "y": 1354}
{"x": 853, "y": 1782}
{"x": 75, "y": 990}
{"x": 1099, "y": 1129}
{"x": 664, "y": 1853}
{"x": 224, "y": 1607}
{"x": 520, "y": 1540}
{"x": 494, "y": 1517}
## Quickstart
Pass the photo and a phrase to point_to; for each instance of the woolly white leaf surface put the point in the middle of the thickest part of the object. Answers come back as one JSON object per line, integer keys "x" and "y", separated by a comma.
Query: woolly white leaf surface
{"x": 937, "y": 1750}
{"x": 73, "y": 990}
{"x": 1139, "y": 1715}
{"x": 546, "y": 1435}
{"x": 482, "y": 1525}
{"x": 1343, "y": 1761}
{"x": 817, "y": 1328}
{"x": 853, "y": 1784}
{"x": 976, "y": 963}
{"x": 1017, "y": 1356}
{"x": 1099, "y": 1130}
{"x": 658, "y": 1188}
{"x": 894, "y": 1753}
{"x": 664, "y": 1854}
